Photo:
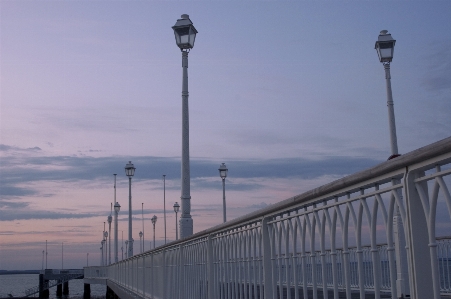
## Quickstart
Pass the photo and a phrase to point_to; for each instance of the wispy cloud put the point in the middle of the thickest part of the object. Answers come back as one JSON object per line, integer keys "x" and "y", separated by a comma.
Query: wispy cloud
{"x": 20, "y": 170}
{"x": 20, "y": 214}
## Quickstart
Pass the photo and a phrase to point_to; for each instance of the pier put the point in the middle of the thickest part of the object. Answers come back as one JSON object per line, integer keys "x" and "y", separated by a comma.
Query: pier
{"x": 324, "y": 243}
{"x": 49, "y": 278}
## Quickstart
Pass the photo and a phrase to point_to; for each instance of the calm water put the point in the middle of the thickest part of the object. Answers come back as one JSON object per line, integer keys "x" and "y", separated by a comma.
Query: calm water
{"x": 18, "y": 283}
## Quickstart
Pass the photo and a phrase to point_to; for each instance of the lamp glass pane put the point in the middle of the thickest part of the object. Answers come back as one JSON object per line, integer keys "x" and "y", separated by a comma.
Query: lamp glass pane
{"x": 184, "y": 39}
{"x": 386, "y": 53}
{"x": 177, "y": 38}
{"x": 192, "y": 37}
{"x": 182, "y": 35}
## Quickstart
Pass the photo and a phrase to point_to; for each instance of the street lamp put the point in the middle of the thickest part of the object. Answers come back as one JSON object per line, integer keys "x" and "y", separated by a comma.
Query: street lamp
{"x": 140, "y": 241}
{"x": 117, "y": 208}
{"x": 385, "y": 46}
{"x": 105, "y": 237}
{"x": 142, "y": 217}
{"x": 176, "y": 210}
{"x": 223, "y": 174}
{"x": 110, "y": 219}
{"x": 185, "y": 35}
{"x": 101, "y": 250}
{"x": 126, "y": 248}
{"x": 164, "y": 205}
{"x": 130, "y": 171}
{"x": 154, "y": 221}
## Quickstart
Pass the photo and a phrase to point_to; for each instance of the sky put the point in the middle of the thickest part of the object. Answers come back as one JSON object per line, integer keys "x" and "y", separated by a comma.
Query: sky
{"x": 289, "y": 94}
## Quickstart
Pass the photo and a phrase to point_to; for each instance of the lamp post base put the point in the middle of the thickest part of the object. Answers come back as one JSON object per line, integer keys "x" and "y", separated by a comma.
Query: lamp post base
{"x": 186, "y": 227}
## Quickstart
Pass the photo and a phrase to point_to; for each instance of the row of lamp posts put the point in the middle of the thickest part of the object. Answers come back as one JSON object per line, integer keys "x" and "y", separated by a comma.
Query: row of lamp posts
{"x": 185, "y": 35}
{"x": 130, "y": 171}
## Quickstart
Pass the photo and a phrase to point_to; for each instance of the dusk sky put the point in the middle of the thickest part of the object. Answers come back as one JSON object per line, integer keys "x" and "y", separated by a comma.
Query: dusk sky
{"x": 289, "y": 94}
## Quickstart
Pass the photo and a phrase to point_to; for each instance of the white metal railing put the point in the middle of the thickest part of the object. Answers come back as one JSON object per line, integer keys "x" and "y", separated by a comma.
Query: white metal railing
{"x": 325, "y": 242}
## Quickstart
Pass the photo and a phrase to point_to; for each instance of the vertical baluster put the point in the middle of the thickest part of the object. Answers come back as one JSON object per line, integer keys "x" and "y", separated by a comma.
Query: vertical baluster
{"x": 359, "y": 251}
{"x": 322, "y": 231}
{"x": 294, "y": 256}
{"x": 278, "y": 235}
{"x": 333, "y": 254}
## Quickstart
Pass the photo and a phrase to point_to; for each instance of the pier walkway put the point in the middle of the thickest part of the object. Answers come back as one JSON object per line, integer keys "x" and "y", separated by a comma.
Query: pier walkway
{"x": 378, "y": 233}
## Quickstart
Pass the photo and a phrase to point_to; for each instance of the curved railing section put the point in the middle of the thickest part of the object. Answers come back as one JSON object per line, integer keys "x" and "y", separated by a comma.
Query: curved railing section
{"x": 380, "y": 232}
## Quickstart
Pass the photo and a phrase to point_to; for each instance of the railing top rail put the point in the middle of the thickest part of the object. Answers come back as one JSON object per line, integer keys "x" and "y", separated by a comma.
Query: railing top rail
{"x": 417, "y": 156}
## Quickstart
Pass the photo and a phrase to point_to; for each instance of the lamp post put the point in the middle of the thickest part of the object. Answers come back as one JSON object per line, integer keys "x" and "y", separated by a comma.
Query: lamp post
{"x": 223, "y": 174}
{"x": 185, "y": 34}
{"x": 142, "y": 217}
{"x": 126, "y": 248}
{"x": 101, "y": 251}
{"x": 105, "y": 238}
{"x": 164, "y": 205}
{"x": 176, "y": 210}
{"x": 130, "y": 171}
{"x": 117, "y": 208}
{"x": 46, "y": 254}
{"x": 110, "y": 219}
{"x": 154, "y": 221}
{"x": 385, "y": 46}
{"x": 140, "y": 241}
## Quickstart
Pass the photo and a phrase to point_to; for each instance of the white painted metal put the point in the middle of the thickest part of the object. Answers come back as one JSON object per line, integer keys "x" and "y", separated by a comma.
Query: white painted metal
{"x": 332, "y": 242}
{"x": 186, "y": 221}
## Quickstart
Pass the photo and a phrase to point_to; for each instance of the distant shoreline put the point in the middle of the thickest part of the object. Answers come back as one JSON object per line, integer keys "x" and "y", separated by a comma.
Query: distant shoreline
{"x": 10, "y": 272}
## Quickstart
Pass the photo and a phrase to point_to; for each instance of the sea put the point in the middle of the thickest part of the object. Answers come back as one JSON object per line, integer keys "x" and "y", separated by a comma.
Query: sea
{"x": 16, "y": 284}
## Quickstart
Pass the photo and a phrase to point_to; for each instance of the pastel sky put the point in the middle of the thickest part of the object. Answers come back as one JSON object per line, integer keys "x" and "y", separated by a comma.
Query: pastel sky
{"x": 289, "y": 94}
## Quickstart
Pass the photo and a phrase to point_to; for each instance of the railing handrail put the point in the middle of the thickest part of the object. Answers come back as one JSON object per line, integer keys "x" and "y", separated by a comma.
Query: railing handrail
{"x": 402, "y": 162}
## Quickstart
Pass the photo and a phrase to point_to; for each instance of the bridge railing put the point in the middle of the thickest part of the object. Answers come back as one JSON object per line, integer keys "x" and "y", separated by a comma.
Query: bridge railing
{"x": 325, "y": 242}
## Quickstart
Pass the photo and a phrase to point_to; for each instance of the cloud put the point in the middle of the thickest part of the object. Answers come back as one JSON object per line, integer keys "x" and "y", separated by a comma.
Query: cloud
{"x": 20, "y": 171}
{"x": 7, "y": 148}
{"x": 13, "y": 214}
{"x": 12, "y": 191}
{"x": 7, "y": 204}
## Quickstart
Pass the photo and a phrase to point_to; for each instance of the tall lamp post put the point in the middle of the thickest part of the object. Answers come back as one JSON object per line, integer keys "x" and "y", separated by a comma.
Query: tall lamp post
{"x": 223, "y": 174}
{"x": 105, "y": 237}
{"x": 176, "y": 210}
{"x": 185, "y": 35}
{"x": 101, "y": 251}
{"x": 110, "y": 219}
{"x": 141, "y": 241}
{"x": 130, "y": 171}
{"x": 385, "y": 46}
{"x": 117, "y": 208}
{"x": 154, "y": 221}
{"x": 164, "y": 205}
{"x": 142, "y": 217}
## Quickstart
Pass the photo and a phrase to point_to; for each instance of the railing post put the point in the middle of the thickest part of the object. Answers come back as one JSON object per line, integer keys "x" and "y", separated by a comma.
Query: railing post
{"x": 402, "y": 285}
{"x": 152, "y": 276}
{"x": 267, "y": 269}
{"x": 210, "y": 274}
{"x": 163, "y": 270}
{"x": 182, "y": 292}
{"x": 420, "y": 270}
